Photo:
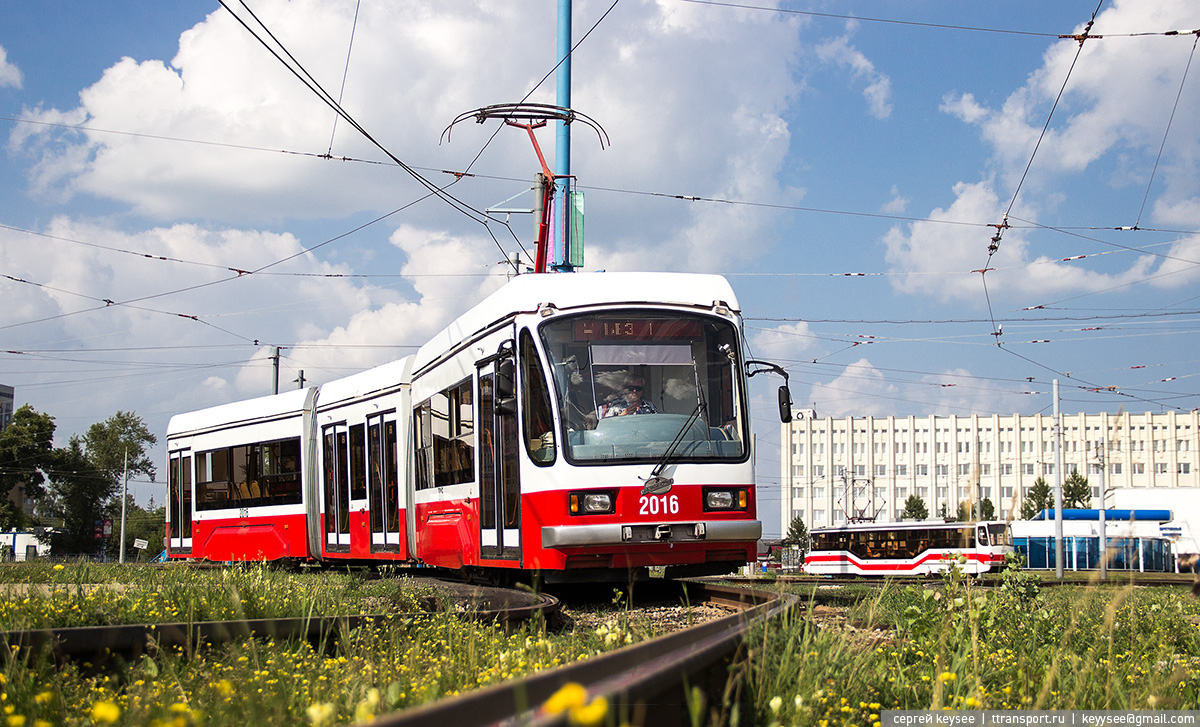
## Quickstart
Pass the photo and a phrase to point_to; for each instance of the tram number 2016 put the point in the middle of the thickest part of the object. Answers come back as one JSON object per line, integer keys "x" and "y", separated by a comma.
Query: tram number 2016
{"x": 659, "y": 505}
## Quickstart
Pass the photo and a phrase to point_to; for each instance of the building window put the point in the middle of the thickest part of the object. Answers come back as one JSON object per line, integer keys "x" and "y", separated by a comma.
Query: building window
{"x": 1095, "y": 469}
{"x": 901, "y": 470}
{"x": 1047, "y": 468}
{"x": 922, "y": 470}
{"x": 1116, "y": 468}
{"x": 1027, "y": 469}
{"x": 880, "y": 470}
{"x": 1138, "y": 468}
{"x": 1160, "y": 468}
{"x": 985, "y": 469}
{"x": 818, "y": 470}
{"x": 1185, "y": 468}
{"x": 860, "y": 470}
{"x": 964, "y": 469}
{"x": 798, "y": 470}
{"x": 1006, "y": 469}
{"x": 943, "y": 470}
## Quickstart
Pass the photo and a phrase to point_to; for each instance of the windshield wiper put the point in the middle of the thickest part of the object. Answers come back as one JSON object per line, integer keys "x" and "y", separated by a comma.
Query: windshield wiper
{"x": 656, "y": 484}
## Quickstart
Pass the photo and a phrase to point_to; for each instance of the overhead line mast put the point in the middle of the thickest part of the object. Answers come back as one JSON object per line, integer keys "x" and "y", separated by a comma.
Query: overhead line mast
{"x": 557, "y": 208}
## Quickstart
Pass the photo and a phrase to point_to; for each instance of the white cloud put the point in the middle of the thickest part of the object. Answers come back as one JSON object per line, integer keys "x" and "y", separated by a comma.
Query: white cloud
{"x": 878, "y": 91}
{"x": 414, "y": 68}
{"x": 860, "y": 390}
{"x": 1117, "y": 103}
{"x": 897, "y": 205}
{"x": 10, "y": 75}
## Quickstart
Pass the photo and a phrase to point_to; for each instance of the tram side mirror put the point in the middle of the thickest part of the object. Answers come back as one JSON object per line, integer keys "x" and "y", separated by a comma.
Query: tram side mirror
{"x": 785, "y": 404}
{"x": 506, "y": 387}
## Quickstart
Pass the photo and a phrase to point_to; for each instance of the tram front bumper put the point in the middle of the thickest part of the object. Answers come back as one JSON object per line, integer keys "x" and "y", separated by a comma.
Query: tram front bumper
{"x": 575, "y": 536}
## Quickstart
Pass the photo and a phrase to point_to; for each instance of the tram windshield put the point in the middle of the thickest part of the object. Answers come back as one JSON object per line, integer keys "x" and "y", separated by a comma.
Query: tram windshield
{"x": 637, "y": 385}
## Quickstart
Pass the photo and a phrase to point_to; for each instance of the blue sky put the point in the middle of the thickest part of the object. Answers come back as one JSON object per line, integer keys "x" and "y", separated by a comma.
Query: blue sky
{"x": 821, "y": 138}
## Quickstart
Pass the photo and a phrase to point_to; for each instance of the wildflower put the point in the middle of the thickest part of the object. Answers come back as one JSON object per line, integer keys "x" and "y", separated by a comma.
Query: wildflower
{"x": 321, "y": 713}
{"x": 590, "y": 714}
{"x": 60, "y": 566}
{"x": 16, "y": 720}
{"x": 947, "y": 676}
{"x": 571, "y": 694}
{"x": 775, "y": 704}
{"x": 105, "y": 711}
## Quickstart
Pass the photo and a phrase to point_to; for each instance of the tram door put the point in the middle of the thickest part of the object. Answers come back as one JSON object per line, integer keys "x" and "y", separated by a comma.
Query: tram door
{"x": 382, "y": 481}
{"x": 335, "y": 451}
{"x": 180, "y": 496}
{"x": 499, "y": 473}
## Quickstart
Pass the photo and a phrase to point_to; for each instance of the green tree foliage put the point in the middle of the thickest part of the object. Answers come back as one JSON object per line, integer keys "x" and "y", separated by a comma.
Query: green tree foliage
{"x": 26, "y": 452}
{"x": 87, "y": 474}
{"x": 1076, "y": 491}
{"x": 969, "y": 511}
{"x": 797, "y": 534}
{"x": 1039, "y": 498}
{"x": 149, "y": 524}
{"x": 915, "y": 509}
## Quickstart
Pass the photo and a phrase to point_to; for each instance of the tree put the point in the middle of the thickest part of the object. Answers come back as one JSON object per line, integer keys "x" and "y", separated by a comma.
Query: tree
{"x": 914, "y": 508}
{"x": 26, "y": 452}
{"x": 88, "y": 473}
{"x": 969, "y": 511}
{"x": 797, "y": 534}
{"x": 1039, "y": 498}
{"x": 1076, "y": 491}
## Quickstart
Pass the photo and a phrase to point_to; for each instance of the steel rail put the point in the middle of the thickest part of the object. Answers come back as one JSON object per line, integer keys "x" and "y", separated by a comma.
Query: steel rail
{"x": 648, "y": 681}
{"x": 132, "y": 640}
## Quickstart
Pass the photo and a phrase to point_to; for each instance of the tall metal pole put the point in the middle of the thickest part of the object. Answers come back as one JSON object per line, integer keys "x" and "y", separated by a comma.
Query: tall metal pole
{"x": 124, "y": 497}
{"x": 562, "y": 150}
{"x": 1103, "y": 504}
{"x": 1058, "y": 496}
{"x": 275, "y": 358}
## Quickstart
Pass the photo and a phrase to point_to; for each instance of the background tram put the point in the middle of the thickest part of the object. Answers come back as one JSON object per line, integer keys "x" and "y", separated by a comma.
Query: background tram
{"x": 514, "y": 439}
{"x": 907, "y": 548}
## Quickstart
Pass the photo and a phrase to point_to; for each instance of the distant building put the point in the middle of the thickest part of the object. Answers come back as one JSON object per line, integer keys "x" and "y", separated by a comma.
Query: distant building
{"x": 834, "y": 469}
{"x": 6, "y": 406}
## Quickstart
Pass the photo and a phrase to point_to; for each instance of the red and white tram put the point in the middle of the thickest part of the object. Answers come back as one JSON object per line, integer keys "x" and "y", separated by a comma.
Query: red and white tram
{"x": 584, "y": 426}
{"x": 907, "y": 548}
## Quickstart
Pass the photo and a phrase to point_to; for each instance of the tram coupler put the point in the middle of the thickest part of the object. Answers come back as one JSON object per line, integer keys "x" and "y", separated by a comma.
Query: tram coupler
{"x": 662, "y": 532}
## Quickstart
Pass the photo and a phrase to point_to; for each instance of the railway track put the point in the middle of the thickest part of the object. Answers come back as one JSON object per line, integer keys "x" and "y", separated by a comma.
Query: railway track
{"x": 95, "y": 643}
{"x": 646, "y": 683}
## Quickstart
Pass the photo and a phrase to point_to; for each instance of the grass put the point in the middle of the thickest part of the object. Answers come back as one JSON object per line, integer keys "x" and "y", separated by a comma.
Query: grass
{"x": 964, "y": 647}
{"x": 406, "y": 661}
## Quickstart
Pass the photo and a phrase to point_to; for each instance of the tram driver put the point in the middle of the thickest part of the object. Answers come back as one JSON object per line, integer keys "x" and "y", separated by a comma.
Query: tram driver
{"x": 629, "y": 402}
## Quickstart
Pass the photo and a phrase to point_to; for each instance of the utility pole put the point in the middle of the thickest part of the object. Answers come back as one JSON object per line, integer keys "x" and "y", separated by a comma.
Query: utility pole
{"x": 300, "y": 380}
{"x": 124, "y": 497}
{"x": 562, "y": 149}
{"x": 1103, "y": 505}
{"x": 1058, "y": 495}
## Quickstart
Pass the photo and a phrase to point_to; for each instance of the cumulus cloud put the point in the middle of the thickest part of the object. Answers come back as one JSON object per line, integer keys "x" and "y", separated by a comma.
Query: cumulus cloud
{"x": 1117, "y": 104}
{"x": 878, "y": 91}
{"x": 10, "y": 75}
{"x": 415, "y": 67}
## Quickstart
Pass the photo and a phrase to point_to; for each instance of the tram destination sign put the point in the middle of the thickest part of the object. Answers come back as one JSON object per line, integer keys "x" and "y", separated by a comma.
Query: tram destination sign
{"x": 635, "y": 329}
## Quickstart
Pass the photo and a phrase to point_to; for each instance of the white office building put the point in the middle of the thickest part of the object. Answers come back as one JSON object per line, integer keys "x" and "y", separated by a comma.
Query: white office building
{"x": 835, "y": 469}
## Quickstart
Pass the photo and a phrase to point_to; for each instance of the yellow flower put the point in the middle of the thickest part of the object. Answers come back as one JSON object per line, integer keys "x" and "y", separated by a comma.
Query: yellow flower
{"x": 16, "y": 720}
{"x": 775, "y": 704}
{"x": 571, "y": 694}
{"x": 60, "y": 566}
{"x": 321, "y": 713}
{"x": 947, "y": 676}
{"x": 43, "y": 697}
{"x": 105, "y": 711}
{"x": 590, "y": 714}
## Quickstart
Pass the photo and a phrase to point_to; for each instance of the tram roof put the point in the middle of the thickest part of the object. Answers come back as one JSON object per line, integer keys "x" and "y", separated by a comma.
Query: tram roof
{"x": 524, "y": 293}
{"x": 238, "y": 412}
{"x": 904, "y": 525}
{"x": 380, "y": 378}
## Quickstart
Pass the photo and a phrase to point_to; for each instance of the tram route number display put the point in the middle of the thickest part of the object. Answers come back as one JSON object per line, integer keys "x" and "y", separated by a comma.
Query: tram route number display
{"x": 658, "y": 505}
{"x": 637, "y": 329}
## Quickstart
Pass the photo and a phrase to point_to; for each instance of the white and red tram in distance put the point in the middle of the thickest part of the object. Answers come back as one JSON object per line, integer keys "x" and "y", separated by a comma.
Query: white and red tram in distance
{"x": 907, "y": 548}
{"x": 492, "y": 447}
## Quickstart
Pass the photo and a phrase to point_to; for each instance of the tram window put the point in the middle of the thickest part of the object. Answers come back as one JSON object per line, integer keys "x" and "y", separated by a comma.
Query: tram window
{"x": 609, "y": 366}
{"x": 538, "y": 421}
{"x": 444, "y": 435}
{"x": 250, "y": 475}
{"x": 358, "y": 461}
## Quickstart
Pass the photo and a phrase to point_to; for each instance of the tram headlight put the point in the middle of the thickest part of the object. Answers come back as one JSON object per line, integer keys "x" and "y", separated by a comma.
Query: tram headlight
{"x": 726, "y": 498}
{"x": 593, "y": 502}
